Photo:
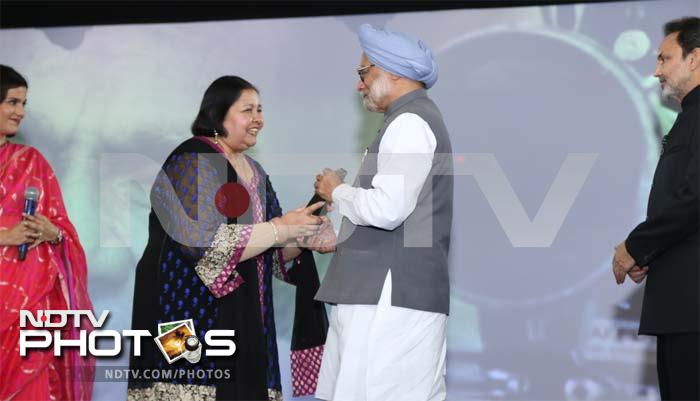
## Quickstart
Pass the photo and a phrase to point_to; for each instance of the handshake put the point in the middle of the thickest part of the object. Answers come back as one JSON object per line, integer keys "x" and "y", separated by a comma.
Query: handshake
{"x": 308, "y": 225}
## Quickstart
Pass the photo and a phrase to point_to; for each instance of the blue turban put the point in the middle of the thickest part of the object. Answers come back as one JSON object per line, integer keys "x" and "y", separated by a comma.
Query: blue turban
{"x": 399, "y": 54}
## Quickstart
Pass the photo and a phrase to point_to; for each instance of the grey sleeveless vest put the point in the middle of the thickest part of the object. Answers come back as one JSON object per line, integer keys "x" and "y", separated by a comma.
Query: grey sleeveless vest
{"x": 416, "y": 251}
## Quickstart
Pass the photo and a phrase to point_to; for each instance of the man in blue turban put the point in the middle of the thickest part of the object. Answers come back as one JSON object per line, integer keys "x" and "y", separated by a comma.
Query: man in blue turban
{"x": 388, "y": 280}
{"x": 399, "y": 54}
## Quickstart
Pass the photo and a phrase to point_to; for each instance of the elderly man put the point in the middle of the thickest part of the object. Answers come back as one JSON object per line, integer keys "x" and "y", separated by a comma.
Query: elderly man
{"x": 388, "y": 280}
{"x": 664, "y": 247}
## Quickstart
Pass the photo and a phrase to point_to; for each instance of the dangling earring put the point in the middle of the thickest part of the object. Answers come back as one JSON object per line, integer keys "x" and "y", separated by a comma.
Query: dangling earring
{"x": 216, "y": 137}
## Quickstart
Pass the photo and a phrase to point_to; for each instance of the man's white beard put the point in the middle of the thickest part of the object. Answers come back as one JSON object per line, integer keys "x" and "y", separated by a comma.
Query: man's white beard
{"x": 379, "y": 89}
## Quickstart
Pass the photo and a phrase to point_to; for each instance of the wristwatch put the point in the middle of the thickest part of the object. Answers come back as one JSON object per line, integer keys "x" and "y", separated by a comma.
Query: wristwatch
{"x": 59, "y": 238}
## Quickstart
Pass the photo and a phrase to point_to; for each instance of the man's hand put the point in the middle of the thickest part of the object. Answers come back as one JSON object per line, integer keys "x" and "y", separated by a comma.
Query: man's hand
{"x": 637, "y": 273}
{"x": 622, "y": 263}
{"x": 326, "y": 183}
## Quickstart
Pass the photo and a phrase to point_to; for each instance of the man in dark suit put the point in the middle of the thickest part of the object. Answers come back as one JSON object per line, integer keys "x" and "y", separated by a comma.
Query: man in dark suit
{"x": 664, "y": 247}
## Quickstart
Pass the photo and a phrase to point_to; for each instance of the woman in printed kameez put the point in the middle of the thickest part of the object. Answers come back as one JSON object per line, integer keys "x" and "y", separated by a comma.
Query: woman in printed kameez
{"x": 217, "y": 236}
{"x": 53, "y": 276}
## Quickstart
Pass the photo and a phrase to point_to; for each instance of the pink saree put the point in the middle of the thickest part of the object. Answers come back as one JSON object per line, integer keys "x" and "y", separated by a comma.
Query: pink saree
{"x": 51, "y": 277}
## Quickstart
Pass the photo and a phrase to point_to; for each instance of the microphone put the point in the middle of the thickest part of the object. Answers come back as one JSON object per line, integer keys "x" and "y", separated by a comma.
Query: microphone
{"x": 31, "y": 195}
{"x": 316, "y": 198}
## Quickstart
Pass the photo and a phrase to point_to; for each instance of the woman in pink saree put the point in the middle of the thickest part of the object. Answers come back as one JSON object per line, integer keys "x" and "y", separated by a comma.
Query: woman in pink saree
{"x": 54, "y": 273}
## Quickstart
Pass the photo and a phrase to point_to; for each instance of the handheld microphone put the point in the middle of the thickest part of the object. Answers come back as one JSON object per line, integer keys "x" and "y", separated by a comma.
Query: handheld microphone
{"x": 316, "y": 198}
{"x": 31, "y": 195}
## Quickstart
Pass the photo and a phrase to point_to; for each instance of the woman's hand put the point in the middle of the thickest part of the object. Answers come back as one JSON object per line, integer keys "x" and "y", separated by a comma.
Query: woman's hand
{"x": 18, "y": 235}
{"x": 298, "y": 223}
{"x": 43, "y": 227}
{"x": 323, "y": 242}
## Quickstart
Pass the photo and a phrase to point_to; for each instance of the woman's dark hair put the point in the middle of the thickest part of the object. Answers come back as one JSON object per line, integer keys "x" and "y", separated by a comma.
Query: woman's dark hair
{"x": 218, "y": 98}
{"x": 10, "y": 79}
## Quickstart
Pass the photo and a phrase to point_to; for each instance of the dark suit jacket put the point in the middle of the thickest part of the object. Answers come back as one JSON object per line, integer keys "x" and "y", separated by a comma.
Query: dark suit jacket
{"x": 667, "y": 241}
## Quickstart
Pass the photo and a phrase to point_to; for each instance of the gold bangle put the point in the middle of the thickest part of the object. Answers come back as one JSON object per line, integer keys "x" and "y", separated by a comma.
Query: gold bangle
{"x": 274, "y": 230}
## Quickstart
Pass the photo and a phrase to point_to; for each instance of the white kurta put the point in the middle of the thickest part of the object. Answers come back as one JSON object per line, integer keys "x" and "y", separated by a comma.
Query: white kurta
{"x": 404, "y": 160}
{"x": 382, "y": 352}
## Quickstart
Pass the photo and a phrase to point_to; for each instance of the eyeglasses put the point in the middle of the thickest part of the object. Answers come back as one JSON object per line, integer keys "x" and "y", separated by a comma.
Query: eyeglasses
{"x": 362, "y": 71}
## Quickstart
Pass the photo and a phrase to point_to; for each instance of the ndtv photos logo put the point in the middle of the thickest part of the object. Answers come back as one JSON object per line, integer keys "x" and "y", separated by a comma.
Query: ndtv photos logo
{"x": 175, "y": 339}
